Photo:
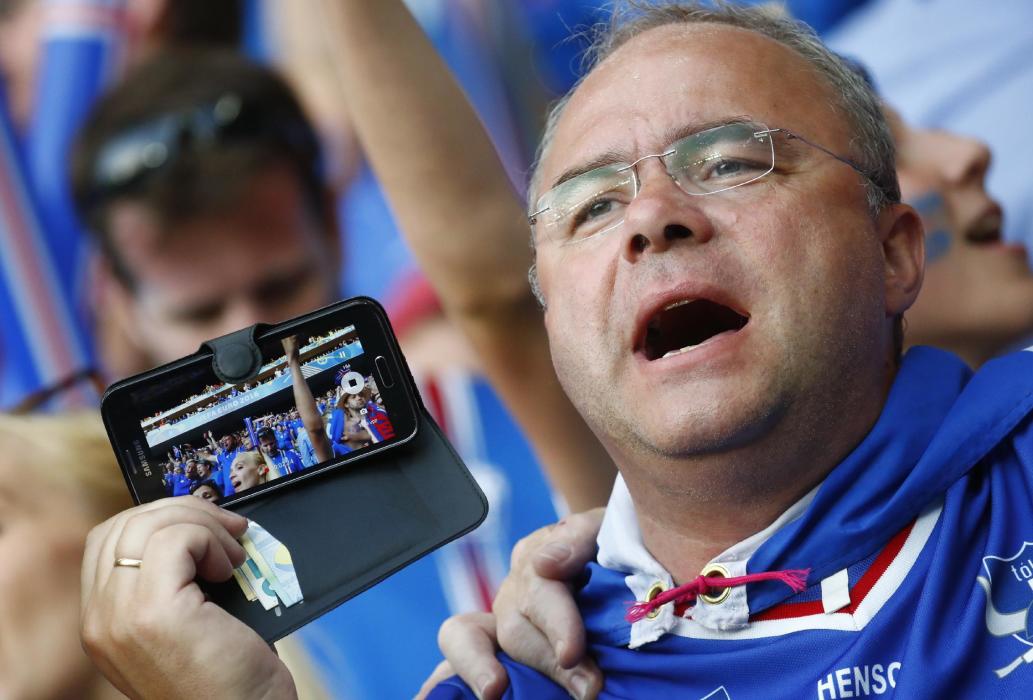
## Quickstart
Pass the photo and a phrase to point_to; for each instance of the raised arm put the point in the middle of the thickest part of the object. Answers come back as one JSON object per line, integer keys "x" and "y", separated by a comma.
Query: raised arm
{"x": 466, "y": 225}
{"x": 211, "y": 442}
{"x": 305, "y": 402}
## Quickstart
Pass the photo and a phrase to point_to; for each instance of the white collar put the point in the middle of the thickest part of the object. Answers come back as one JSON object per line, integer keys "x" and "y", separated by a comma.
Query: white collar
{"x": 621, "y": 549}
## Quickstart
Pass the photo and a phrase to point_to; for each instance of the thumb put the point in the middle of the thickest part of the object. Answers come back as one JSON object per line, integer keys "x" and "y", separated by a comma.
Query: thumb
{"x": 569, "y": 546}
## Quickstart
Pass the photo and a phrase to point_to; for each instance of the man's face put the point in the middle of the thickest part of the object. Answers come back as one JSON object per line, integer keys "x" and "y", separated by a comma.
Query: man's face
{"x": 228, "y": 442}
{"x": 268, "y": 444}
{"x": 264, "y": 260}
{"x": 206, "y": 493}
{"x": 797, "y": 253}
{"x": 978, "y": 292}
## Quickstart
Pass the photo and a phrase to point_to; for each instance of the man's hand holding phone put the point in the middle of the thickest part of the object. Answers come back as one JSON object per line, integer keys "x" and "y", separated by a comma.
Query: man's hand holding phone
{"x": 249, "y": 419}
{"x": 146, "y": 622}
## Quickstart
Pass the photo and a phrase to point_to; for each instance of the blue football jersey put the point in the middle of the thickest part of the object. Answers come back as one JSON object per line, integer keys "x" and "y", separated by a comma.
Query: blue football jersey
{"x": 920, "y": 551}
{"x": 286, "y": 462}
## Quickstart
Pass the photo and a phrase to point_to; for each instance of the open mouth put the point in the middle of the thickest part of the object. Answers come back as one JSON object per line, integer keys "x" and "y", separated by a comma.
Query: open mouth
{"x": 236, "y": 483}
{"x": 684, "y": 325}
{"x": 986, "y": 229}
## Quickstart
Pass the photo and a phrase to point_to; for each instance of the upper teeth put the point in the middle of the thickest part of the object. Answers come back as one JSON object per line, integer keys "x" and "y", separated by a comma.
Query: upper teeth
{"x": 679, "y": 351}
{"x": 654, "y": 323}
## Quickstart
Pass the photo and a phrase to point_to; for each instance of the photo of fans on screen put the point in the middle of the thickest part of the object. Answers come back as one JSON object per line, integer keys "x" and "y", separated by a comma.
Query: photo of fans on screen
{"x": 316, "y": 402}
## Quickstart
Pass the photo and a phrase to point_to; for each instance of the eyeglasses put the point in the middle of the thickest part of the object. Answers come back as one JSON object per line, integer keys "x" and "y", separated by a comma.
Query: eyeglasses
{"x": 127, "y": 160}
{"x": 715, "y": 160}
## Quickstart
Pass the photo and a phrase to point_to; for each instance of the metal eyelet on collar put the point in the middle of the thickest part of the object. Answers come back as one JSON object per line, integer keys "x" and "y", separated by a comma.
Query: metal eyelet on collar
{"x": 713, "y": 570}
{"x": 654, "y": 590}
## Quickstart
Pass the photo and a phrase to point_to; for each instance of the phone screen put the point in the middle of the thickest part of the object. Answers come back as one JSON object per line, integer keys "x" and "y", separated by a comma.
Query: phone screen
{"x": 315, "y": 401}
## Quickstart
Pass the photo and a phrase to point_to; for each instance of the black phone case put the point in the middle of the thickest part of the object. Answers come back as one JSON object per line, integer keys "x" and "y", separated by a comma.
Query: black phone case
{"x": 353, "y": 527}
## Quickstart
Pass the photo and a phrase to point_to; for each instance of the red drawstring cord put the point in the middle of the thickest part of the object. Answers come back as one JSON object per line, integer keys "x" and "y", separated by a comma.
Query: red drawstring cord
{"x": 685, "y": 595}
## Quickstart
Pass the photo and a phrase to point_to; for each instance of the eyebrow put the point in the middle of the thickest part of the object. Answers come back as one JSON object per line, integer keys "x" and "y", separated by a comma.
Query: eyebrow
{"x": 606, "y": 158}
{"x": 279, "y": 284}
{"x": 670, "y": 136}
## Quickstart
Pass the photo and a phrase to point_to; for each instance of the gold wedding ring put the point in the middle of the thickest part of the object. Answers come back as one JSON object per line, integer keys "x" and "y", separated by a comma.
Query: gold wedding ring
{"x": 125, "y": 561}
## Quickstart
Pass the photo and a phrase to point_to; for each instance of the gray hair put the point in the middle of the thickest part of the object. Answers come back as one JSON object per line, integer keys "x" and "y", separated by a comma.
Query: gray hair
{"x": 871, "y": 146}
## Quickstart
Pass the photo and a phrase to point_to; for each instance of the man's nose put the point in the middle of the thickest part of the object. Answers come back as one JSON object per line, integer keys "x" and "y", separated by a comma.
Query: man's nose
{"x": 662, "y": 215}
{"x": 241, "y": 312}
{"x": 970, "y": 161}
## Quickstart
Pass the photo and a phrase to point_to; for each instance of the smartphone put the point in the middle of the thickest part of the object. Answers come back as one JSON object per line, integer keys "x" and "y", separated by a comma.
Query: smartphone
{"x": 323, "y": 390}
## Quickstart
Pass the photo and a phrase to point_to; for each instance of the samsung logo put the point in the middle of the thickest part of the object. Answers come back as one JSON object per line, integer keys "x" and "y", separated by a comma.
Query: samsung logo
{"x": 141, "y": 457}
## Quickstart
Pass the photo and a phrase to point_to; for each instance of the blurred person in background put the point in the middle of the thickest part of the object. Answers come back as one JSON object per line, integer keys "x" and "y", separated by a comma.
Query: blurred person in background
{"x": 57, "y": 480}
{"x": 977, "y": 296}
{"x": 954, "y": 65}
{"x": 232, "y": 224}
{"x": 52, "y": 491}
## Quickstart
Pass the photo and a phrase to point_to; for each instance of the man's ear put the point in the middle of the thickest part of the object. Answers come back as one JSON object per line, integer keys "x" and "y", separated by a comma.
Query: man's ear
{"x": 114, "y": 321}
{"x": 903, "y": 251}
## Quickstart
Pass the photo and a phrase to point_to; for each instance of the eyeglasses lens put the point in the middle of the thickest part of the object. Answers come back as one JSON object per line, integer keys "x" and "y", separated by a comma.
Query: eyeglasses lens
{"x": 710, "y": 161}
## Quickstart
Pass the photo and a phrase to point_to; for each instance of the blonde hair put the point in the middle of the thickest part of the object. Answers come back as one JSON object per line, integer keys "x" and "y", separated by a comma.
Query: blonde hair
{"x": 258, "y": 460}
{"x": 71, "y": 451}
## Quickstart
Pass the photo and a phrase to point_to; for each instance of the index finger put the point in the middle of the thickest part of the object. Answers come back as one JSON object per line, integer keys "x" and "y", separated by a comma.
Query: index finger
{"x": 469, "y": 645}
{"x": 101, "y": 549}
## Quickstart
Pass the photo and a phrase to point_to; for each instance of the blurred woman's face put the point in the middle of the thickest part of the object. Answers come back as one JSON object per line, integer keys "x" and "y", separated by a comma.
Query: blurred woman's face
{"x": 42, "y": 533}
{"x": 977, "y": 297}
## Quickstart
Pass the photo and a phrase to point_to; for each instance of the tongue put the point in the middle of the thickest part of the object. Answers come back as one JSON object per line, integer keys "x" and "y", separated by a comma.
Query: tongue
{"x": 686, "y": 326}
